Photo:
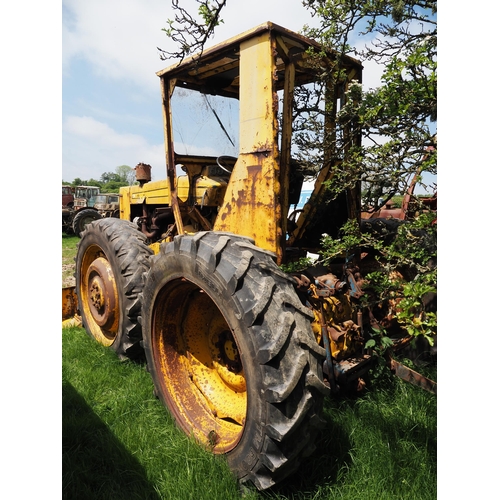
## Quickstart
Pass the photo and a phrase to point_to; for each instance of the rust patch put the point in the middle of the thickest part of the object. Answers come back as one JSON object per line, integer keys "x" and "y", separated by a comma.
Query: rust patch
{"x": 69, "y": 302}
{"x": 413, "y": 377}
{"x": 254, "y": 170}
{"x": 228, "y": 210}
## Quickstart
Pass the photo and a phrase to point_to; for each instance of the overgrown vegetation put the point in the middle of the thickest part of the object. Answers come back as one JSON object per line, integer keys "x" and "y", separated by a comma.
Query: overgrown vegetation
{"x": 405, "y": 272}
{"x": 396, "y": 119}
{"x": 120, "y": 442}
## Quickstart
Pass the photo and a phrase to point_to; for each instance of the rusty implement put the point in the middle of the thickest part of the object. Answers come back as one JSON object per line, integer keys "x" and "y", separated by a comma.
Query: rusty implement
{"x": 70, "y": 315}
{"x": 413, "y": 377}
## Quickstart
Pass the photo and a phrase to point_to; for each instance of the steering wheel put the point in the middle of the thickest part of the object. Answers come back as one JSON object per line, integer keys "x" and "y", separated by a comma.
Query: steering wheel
{"x": 225, "y": 158}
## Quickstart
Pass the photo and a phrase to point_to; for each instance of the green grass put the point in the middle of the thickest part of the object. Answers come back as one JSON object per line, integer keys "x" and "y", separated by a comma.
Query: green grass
{"x": 118, "y": 439}
{"x": 120, "y": 442}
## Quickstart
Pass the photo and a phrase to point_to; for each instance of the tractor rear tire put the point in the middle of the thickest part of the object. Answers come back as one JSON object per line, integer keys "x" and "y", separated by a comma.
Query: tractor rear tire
{"x": 111, "y": 260}
{"x": 84, "y": 217}
{"x": 232, "y": 354}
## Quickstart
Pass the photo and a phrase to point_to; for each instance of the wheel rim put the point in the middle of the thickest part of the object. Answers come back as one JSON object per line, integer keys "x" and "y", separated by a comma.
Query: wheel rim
{"x": 99, "y": 295}
{"x": 199, "y": 367}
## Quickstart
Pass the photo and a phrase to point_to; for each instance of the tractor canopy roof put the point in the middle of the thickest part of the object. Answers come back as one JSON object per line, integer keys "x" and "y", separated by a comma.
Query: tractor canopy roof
{"x": 216, "y": 70}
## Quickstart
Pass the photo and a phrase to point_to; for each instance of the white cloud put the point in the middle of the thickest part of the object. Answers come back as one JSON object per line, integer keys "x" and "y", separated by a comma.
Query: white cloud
{"x": 92, "y": 148}
{"x": 118, "y": 37}
{"x": 87, "y": 127}
{"x": 372, "y": 72}
{"x": 118, "y": 40}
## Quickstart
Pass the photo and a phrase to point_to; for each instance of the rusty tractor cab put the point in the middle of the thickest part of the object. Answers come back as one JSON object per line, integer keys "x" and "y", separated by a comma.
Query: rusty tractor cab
{"x": 67, "y": 196}
{"x": 259, "y": 71}
{"x": 241, "y": 353}
{"x": 82, "y": 211}
{"x": 108, "y": 204}
{"x": 85, "y": 196}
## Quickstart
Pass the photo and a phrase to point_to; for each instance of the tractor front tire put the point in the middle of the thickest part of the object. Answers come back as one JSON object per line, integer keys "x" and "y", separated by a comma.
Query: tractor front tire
{"x": 111, "y": 260}
{"x": 84, "y": 217}
{"x": 232, "y": 354}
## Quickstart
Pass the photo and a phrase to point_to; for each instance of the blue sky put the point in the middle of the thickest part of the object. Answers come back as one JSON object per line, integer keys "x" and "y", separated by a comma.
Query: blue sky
{"x": 111, "y": 110}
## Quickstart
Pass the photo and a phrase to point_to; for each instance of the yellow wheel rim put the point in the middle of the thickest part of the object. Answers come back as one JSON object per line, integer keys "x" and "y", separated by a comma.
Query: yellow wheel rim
{"x": 99, "y": 296}
{"x": 198, "y": 363}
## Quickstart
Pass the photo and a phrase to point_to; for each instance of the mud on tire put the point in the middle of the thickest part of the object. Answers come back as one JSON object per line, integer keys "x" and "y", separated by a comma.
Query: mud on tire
{"x": 232, "y": 354}
{"x": 111, "y": 260}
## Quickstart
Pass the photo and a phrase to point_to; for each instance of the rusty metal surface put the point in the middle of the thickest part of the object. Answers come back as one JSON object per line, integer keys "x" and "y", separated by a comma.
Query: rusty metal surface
{"x": 98, "y": 294}
{"x": 69, "y": 302}
{"x": 251, "y": 67}
{"x": 74, "y": 321}
{"x": 251, "y": 204}
{"x": 142, "y": 173}
{"x": 167, "y": 88}
{"x": 413, "y": 377}
{"x": 217, "y": 67}
{"x": 103, "y": 303}
{"x": 352, "y": 369}
{"x": 67, "y": 196}
{"x": 199, "y": 363}
{"x": 108, "y": 204}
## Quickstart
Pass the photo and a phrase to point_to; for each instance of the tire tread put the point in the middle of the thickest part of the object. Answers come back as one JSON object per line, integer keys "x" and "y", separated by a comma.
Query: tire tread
{"x": 287, "y": 351}
{"x": 128, "y": 248}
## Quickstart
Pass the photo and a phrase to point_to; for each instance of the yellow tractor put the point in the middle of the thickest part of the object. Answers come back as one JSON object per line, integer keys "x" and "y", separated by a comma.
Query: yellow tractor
{"x": 240, "y": 352}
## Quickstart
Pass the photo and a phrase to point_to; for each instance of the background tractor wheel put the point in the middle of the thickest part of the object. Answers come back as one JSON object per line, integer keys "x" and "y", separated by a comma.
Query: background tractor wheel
{"x": 111, "y": 260}
{"x": 232, "y": 354}
{"x": 84, "y": 217}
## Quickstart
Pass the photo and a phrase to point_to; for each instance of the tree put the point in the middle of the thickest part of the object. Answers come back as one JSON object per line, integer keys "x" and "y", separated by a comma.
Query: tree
{"x": 396, "y": 119}
{"x": 91, "y": 182}
{"x": 113, "y": 181}
{"x": 110, "y": 177}
{"x": 109, "y": 182}
{"x": 126, "y": 174}
{"x": 188, "y": 33}
{"x": 112, "y": 186}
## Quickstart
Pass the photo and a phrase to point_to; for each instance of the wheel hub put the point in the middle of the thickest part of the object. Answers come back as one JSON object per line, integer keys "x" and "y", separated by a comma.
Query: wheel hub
{"x": 102, "y": 293}
{"x": 228, "y": 352}
{"x": 228, "y": 362}
{"x": 95, "y": 294}
{"x": 193, "y": 349}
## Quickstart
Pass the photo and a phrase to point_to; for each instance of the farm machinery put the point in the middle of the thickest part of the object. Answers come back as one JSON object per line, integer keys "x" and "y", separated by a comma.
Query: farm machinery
{"x": 190, "y": 276}
{"x": 85, "y": 211}
{"x": 81, "y": 211}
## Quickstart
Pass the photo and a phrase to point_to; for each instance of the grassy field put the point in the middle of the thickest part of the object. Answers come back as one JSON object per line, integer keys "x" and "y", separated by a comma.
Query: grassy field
{"x": 120, "y": 442}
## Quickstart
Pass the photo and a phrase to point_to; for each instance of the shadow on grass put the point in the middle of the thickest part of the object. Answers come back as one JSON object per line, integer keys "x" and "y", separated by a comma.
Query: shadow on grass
{"x": 95, "y": 465}
{"x": 322, "y": 466}
{"x": 329, "y": 466}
